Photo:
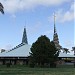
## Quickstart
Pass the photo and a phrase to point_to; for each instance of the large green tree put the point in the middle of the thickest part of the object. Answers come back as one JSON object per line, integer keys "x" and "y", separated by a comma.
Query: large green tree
{"x": 43, "y": 51}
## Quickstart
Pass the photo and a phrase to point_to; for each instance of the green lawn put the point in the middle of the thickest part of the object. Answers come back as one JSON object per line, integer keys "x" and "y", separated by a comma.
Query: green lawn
{"x": 23, "y": 70}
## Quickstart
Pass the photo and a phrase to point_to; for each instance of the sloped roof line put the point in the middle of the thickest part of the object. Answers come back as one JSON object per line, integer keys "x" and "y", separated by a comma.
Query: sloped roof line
{"x": 65, "y": 55}
{"x": 16, "y": 47}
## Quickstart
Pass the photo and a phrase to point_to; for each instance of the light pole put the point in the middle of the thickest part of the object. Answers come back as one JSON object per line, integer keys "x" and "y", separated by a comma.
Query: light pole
{"x": 74, "y": 55}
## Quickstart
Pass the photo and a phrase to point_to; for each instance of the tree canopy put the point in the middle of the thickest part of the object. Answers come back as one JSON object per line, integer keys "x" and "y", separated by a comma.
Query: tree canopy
{"x": 43, "y": 51}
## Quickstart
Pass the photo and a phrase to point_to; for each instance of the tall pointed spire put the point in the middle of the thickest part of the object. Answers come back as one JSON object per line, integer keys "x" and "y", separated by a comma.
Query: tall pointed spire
{"x": 55, "y": 36}
{"x": 54, "y": 24}
{"x": 24, "y": 38}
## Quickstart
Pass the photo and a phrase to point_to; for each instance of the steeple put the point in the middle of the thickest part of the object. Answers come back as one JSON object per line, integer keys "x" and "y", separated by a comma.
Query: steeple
{"x": 24, "y": 38}
{"x": 54, "y": 29}
{"x": 55, "y": 36}
{"x": 54, "y": 24}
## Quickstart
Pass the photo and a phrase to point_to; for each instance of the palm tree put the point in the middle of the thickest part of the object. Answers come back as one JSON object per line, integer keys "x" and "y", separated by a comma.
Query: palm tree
{"x": 1, "y": 8}
{"x": 73, "y": 49}
{"x": 65, "y": 50}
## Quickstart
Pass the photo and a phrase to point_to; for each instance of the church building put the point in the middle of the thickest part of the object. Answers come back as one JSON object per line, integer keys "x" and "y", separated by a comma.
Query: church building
{"x": 20, "y": 53}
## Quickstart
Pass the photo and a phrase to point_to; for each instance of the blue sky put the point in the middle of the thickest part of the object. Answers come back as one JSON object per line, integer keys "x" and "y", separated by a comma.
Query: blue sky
{"x": 37, "y": 16}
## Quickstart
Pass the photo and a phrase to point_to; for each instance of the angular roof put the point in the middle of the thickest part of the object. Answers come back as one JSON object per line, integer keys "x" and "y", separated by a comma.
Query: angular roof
{"x": 21, "y": 50}
{"x": 65, "y": 55}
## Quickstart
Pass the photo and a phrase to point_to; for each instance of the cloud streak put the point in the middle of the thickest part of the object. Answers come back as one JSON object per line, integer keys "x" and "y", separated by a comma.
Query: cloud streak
{"x": 13, "y": 6}
{"x": 68, "y": 15}
{"x": 65, "y": 16}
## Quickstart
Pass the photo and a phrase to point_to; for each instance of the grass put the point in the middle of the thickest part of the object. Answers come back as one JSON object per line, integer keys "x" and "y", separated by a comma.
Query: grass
{"x": 23, "y": 70}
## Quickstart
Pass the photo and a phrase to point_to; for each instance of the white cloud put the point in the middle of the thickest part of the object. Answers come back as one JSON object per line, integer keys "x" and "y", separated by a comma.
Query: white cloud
{"x": 64, "y": 16}
{"x": 12, "y": 6}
